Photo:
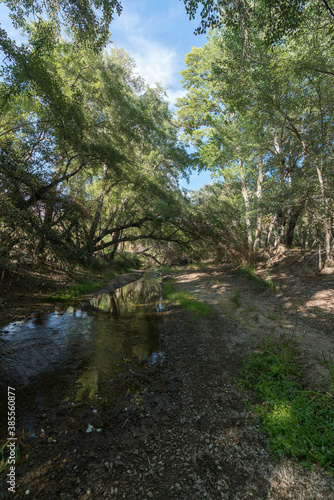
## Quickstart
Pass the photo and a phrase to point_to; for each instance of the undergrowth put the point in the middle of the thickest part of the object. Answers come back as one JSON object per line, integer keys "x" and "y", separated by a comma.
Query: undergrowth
{"x": 122, "y": 264}
{"x": 250, "y": 273}
{"x": 297, "y": 421}
{"x": 75, "y": 291}
{"x": 236, "y": 297}
{"x": 167, "y": 269}
{"x": 186, "y": 300}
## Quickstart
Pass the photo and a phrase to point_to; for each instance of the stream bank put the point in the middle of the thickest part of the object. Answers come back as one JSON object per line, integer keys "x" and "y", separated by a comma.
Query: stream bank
{"x": 26, "y": 292}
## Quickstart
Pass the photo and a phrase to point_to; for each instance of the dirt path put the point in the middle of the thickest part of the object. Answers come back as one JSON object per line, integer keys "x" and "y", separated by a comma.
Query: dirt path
{"x": 192, "y": 437}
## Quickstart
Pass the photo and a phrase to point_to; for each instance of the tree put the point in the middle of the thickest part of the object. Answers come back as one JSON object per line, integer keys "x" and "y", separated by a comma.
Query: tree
{"x": 249, "y": 107}
{"x": 82, "y": 18}
{"x": 92, "y": 160}
{"x": 277, "y": 20}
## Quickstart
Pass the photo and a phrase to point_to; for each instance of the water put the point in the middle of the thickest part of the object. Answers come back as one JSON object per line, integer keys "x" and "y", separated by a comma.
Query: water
{"x": 103, "y": 351}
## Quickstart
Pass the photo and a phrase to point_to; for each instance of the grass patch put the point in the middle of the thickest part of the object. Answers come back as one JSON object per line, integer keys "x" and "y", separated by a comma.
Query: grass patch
{"x": 124, "y": 263}
{"x": 250, "y": 273}
{"x": 75, "y": 291}
{"x": 167, "y": 269}
{"x": 186, "y": 300}
{"x": 235, "y": 299}
{"x": 270, "y": 315}
{"x": 182, "y": 267}
{"x": 298, "y": 422}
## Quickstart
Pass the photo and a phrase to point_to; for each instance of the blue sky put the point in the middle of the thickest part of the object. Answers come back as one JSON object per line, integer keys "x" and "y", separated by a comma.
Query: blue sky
{"x": 157, "y": 34}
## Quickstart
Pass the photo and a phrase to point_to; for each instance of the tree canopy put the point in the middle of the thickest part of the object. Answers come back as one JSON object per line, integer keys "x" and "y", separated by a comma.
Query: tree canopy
{"x": 90, "y": 156}
{"x": 261, "y": 118}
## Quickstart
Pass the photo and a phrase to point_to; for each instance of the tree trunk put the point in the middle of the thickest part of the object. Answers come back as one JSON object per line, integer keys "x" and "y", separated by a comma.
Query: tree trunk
{"x": 270, "y": 230}
{"x": 97, "y": 216}
{"x": 247, "y": 207}
{"x": 258, "y": 233}
{"x": 328, "y": 220}
{"x": 292, "y": 221}
{"x": 280, "y": 243}
{"x": 40, "y": 249}
{"x": 281, "y": 221}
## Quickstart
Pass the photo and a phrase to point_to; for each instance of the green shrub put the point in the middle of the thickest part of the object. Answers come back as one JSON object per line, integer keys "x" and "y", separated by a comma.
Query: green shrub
{"x": 298, "y": 422}
{"x": 125, "y": 262}
{"x": 75, "y": 291}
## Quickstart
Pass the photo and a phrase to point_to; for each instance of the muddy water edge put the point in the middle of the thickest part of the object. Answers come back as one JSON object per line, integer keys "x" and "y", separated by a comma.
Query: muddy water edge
{"x": 82, "y": 369}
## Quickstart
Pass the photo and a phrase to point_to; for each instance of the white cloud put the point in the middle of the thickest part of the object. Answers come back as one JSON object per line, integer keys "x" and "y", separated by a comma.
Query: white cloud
{"x": 175, "y": 94}
{"x": 156, "y": 62}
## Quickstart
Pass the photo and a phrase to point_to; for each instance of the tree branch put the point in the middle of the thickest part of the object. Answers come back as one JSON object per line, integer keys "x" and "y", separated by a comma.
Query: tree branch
{"x": 120, "y": 228}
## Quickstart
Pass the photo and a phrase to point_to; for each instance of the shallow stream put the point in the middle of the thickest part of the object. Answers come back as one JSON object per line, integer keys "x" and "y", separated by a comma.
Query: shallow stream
{"x": 104, "y": 351}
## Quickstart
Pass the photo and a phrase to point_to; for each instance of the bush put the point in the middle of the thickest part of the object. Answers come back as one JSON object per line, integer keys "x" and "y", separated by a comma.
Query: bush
{"x": 298, "y": 422}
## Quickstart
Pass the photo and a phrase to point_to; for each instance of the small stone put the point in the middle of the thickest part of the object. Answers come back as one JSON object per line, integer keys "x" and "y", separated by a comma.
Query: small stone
{"x": 89, "y": 428}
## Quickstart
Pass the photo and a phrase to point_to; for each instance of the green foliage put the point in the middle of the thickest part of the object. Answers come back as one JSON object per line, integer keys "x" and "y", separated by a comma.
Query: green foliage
{"x": 270, "y": 315}
{"x": 88, "y": 20}
{"x": 253, "y": 110}
{"x": 236, "y": 297}
{"x": 298, "y": 422}
{"x": 75, "y": 291}
{"x": 330, "y": 366}
{"x": 167, "y": 269}
{"x": 257, "y": 281}
{"x": 125, "y": 262}
{"x": 186, "y": 300}
{"x": 277, "y": 20}
{"x": 89, "y": 157}
{"x": 270, "y": 281}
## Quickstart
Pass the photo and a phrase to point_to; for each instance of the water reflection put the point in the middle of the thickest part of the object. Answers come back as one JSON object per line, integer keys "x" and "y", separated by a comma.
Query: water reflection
{"x": 142, "y": 296}
{"x": 82, "y": 353}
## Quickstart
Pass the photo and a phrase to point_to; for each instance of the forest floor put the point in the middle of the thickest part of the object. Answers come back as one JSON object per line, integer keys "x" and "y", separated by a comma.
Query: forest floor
{"x": 194, "y": 438}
